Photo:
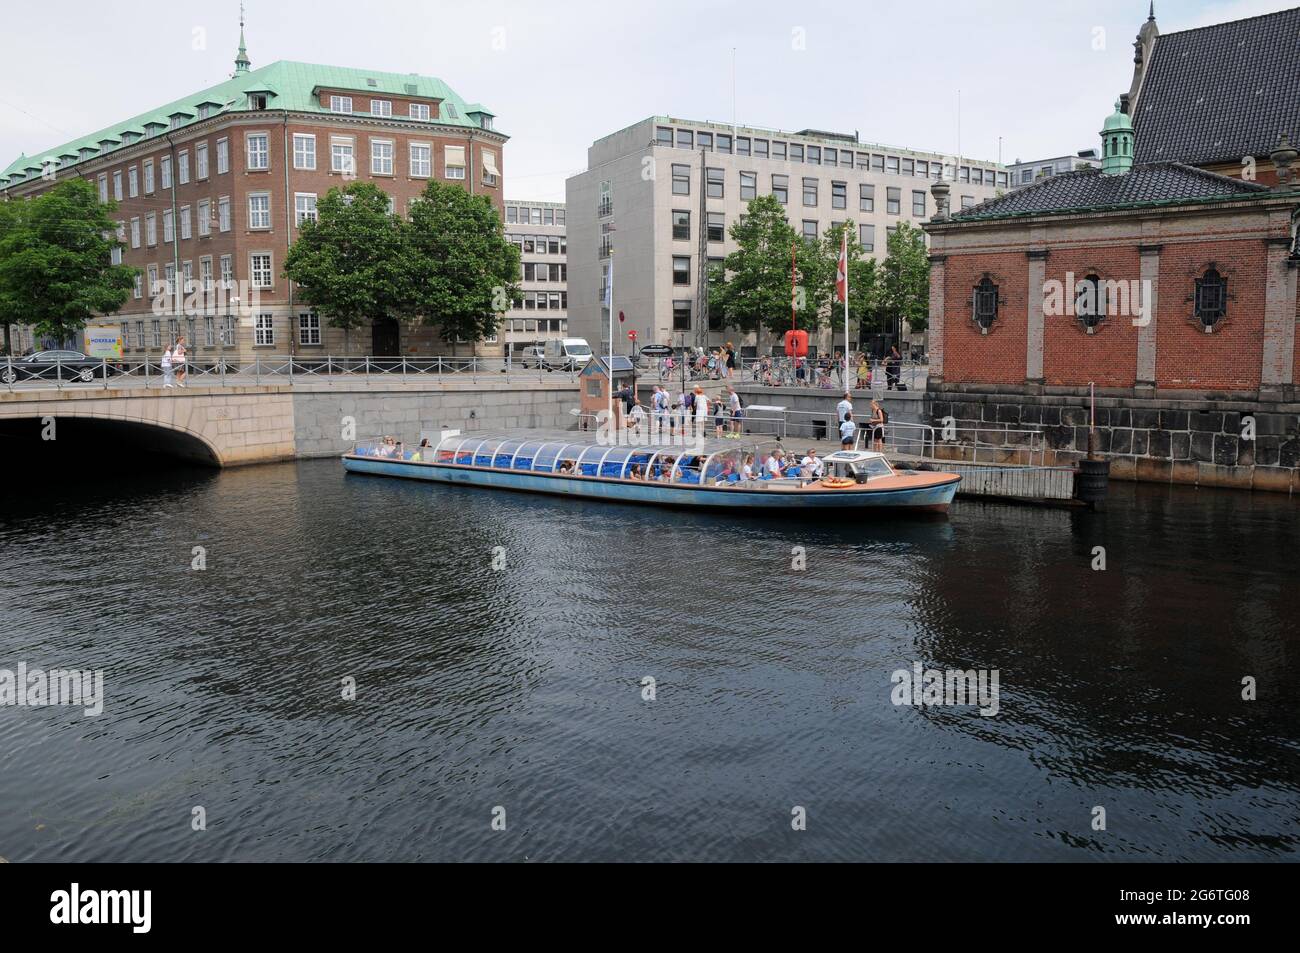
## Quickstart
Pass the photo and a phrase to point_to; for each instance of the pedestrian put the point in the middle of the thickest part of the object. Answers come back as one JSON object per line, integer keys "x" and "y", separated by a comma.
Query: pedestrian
{"x": 844, "y": 407}
{"x": 660, "y": 404}
{"x": 178, "y": 361}
{"x": 684, "y": 400}
{"x": 636, "y": 417}
{"x": 864, "y": 373}
{"x": 719, "y": 418}
{"x": 731, "y": 360}
{"x": 737, "y": 411}
{"x": 168, "y": 379}
{"x": 879, "y": 419}
{"x": 847, "y": 429}
{"x": 800, "y": 372}
{"x": 701, "y": 408}
{"x": 893, "y": 368}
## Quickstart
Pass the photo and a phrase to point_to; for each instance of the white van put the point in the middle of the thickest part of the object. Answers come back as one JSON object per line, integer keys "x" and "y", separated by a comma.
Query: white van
{"x": 568, "y": 354}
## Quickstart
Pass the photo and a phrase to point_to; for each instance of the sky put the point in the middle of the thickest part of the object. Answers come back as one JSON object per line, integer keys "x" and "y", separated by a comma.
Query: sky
{"x": 1034, "y": 80}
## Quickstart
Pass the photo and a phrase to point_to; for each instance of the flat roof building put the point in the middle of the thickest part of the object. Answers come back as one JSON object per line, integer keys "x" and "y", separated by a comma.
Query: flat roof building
{"x": 540, "y": 312}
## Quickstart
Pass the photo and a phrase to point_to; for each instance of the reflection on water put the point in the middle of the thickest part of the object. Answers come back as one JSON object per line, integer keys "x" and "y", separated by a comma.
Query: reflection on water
{"x": 523, "y": 687}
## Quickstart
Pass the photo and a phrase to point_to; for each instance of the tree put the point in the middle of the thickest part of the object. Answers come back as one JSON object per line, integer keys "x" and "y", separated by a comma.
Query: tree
{"x": 56, "y": 270}
{"x": 463, "y": 272}
{"x": 348, "y": 263}
{"x": 906, "y": 277}
{"x": 753, "y": 291}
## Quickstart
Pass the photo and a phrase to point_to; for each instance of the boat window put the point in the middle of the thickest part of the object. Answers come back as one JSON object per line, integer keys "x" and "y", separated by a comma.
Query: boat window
{"x": 505, "y": 452}
{"x": 524, "y": 456}
{"x": 687, "y": 470}
{"x": 590, "y": 459}
{"x": 567, "y": 461}
{"x": 876, "y": 467}
{"x": 614, "y": 460}
{"x": 662, "y": 466}
{"x": 723, "y": 467}
{"x": 637, "y": 458}
{"x": 544, "y": 459}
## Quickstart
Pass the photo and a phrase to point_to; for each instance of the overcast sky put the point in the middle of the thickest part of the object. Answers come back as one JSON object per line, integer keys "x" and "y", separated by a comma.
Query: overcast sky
{"x": 1037, "y": 79}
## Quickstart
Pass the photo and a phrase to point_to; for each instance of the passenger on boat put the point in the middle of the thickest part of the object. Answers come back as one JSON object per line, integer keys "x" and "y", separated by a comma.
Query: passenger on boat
{"x": 772, "y": 468}
{"x": 747, "y": 469}
{"x": 636, "y": 473}
{"x": 812, "y": 465}
{"x": 728, "y": 474}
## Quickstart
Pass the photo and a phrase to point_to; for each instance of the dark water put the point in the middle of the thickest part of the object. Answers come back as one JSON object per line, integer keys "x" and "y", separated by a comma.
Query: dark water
{"x": 521, "y": 688}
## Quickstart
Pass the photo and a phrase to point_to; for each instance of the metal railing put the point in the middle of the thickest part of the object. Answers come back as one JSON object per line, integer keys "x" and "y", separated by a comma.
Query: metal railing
{"x": 781, "y": 372}
{"x": 220, "y": 371}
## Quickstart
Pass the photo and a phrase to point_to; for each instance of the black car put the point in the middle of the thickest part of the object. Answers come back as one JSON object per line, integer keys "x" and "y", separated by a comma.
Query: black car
{"x": 55, "y": 366}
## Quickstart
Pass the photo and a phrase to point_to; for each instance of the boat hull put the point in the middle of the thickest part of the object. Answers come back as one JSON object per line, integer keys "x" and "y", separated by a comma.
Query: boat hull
{"x": 930, "y": 492}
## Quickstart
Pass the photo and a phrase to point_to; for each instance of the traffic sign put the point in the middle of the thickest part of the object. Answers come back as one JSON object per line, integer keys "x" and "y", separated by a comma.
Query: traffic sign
{"x": 656, "y": 350}
{"x": 631, "y": 335}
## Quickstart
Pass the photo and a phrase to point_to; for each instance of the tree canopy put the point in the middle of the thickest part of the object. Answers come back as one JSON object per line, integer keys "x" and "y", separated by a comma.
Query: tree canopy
{"x": 56, "y": 269}
{"x": 905, "y": 278}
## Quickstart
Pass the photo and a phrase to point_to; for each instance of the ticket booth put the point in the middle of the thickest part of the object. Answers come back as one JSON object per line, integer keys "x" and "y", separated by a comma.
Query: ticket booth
{"x": 598, "y": 380}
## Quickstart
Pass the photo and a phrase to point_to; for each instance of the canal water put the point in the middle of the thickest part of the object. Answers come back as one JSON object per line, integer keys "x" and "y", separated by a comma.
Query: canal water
{"x": 500, "y": 647}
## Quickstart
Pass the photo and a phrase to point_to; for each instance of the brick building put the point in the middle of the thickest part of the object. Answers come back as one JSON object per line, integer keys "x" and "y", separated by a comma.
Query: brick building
{"x": 213, "y": 187}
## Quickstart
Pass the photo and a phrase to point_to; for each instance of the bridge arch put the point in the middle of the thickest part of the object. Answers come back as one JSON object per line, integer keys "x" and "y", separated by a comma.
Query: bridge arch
{"x": 87, "y": 437}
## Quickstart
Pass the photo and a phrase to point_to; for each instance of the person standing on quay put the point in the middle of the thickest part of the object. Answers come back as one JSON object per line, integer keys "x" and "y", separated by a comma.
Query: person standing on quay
{"x": 178, "y": 361}
{"x": 701, "y": 412}
{"x": 167, "y": 367}
{"x": 844, "y": 407}
{"x": 847, "y": 429}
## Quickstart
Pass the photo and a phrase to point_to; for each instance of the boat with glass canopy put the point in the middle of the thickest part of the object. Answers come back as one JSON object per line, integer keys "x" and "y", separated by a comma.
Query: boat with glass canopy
{"x": 704, "y": 473}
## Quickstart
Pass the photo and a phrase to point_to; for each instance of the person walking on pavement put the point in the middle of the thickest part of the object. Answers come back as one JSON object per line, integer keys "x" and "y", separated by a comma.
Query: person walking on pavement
{"x": 168, "y": 380}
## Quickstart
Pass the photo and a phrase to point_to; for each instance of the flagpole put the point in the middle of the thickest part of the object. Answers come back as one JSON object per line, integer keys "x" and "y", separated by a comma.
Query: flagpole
{"x": 610, "y": 368}
{"x": 845, "y": 240}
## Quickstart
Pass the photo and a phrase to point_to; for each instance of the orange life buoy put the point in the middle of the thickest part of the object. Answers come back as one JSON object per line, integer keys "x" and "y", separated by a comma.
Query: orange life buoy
{"x": 837, "y": 483}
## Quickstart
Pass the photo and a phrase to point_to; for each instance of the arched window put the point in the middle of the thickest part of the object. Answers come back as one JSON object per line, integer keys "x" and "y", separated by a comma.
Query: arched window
{"x": 1090, "y": 302}
{"x": 985, "y": 304}
{"x": 1211, "y": 298}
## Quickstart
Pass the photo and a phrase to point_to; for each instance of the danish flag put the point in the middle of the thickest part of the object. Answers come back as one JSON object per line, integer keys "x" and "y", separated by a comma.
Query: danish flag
{"x": 842, "y": 271}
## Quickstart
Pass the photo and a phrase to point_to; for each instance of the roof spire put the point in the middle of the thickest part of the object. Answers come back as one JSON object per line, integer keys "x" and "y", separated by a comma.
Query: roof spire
{"x": 1152, "y": 15}
{"x": 242, "y": 63}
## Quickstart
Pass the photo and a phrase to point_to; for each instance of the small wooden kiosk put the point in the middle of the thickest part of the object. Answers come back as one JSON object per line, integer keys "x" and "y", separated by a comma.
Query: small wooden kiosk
{"x": 598, "y": 381}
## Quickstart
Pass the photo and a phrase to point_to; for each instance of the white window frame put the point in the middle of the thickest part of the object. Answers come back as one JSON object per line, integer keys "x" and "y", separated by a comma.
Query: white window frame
{"x": 203, "y": 215}
{"x": 300, "y": 214}
{"x": 135, "y": 233}
{"x": 223, "y": 213}
{"x": 382, "y": 108}
{"x": 117, "y": 186}
{"x": 165, "y": 171}
{"x": 420, "y": 111}
{"x": 309, "y": 328}
{"x": 103, "y": 188}
{"x": 133, "y": 182}
{"x": 201, "y": 161}
{"x": 427, "y": 147}
{"x": 263, "y": 154}
{"x": 343, "y": 168}
{"x": 151, "y": 229}
{"x": 341, "y": 104}
{"x": 258, "y": 214}
{"x": 169, "y": 226}
{"x": 307, "y": 162}
{"x": 264, "y": 330}
{"x": 183, "y": 167}
{"x": 376, "y": 161}
{"x": 253, "y": 269}
{"x": 223, "y": 156}
{"x": 186, "y": 226}
{"x": 148, "y": 176}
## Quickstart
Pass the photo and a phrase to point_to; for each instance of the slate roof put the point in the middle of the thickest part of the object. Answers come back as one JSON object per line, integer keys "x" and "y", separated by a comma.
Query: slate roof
{"x": 290, "y": 86}
{"x": 1222, "y": 92}
{"x": 1157, "y": 183}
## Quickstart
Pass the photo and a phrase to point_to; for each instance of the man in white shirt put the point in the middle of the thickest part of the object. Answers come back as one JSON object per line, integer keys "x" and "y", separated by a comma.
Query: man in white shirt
{"x": 844, "y": 407}
{"x": 847, "y": 429}
{"x": 812, "y": 465}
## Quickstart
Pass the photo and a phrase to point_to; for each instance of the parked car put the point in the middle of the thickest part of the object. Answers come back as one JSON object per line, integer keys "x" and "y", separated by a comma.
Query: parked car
{"x": 534, "y": 356}
{"x": 56, "y": 365}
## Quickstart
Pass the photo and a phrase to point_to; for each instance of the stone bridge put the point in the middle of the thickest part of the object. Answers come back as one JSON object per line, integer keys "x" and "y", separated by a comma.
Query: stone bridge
{"x": 231, "y": 426}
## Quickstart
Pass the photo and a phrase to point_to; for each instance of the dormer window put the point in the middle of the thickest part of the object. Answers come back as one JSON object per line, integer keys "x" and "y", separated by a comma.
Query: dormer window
{"x": 984, "y": 304}
{"x": 381, "y": 107}
{"x": 257, "y": 101}
{"x": 1211, "y": 298}
{"x": 420, "y": 111}
{"x": 451, "y": 111}
{"x": 341, "y": 104}
{"x": 485, "y": 122}
{"x": 205, "y": 111}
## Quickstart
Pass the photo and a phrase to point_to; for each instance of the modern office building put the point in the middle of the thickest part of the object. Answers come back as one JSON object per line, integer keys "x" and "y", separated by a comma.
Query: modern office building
{"x": 214, "y": 186}
{"x": 655, "y": 205}
{"x": 1027, "y": 173}
{"x": 541, "y": 311}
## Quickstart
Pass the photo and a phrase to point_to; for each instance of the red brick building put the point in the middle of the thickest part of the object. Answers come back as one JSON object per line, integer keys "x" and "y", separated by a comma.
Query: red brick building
{"x": 212, "y": 187}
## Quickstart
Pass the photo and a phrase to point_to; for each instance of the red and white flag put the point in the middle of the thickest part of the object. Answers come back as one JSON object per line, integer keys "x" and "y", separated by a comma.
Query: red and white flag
{"x": 842, "y": 271}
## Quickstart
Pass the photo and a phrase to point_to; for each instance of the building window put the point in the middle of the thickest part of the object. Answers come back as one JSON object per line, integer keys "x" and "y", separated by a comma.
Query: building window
{"x": 778, "y": 151}
{"x": 155, "y": 332}
{"x": 681, "y": 180}
{"x": 796, "y": 152}
{"x": 893, "y": 201}
{"x": 117, "y": 186}
{"x": 228, "y": 330}
{"x": 421, "y": 161}
{"x": 183, "y": 167}
{"x": 227, "y": 271}
{"x": 201, "y": 161}
{"x": 781, "y": 188}
{"x": 148, "y": 176}
{"x": 205, "y": 274}
{"x": 814, "y": 155}
{"x": 185, "y": 222}
{"x": 133, "y": 182}
{"x": 304, "y": 207}
{"x": 685, "y": 139}
{"x": 663, "y": 136}
{"x": 223, "y": 213}
{"x": 681, "y": 225}
{"x": 264, "y": 330}
{"x": 150, "y": 229}
{"x": 209, "y": 333}
{"x": 724, "y": 143}
{"x": 512, "y": 214}
{"x": 748, "y": 186}
{"x": 681, "y": 315}
{"x": 867, "y": 237}
{"x": 223, "y": 156}
{"x": 704, "y": 140}
{"x": 420, "y": 111}
{"x": 304, "y": 151}
{"x": 342, "y": 159}
{"x": 1211, "y": 298}
{"x": 985, "y": 304}
{"x": 967, "y": 201}
{"x": 165, "y": 171}
{"x": 260, "y": 269}
{"x": 453, "y": 162}
{"x": 714, "y": 183}
{"x": 259, "y": 151}
{"x": 866, "y": 198}
{"x": 135, "y": 233}
{"x": 169, "y": 226}
{"x": 918, "y": 203}
{"x": 204, "y": 216}
{"x": 259, "y": 210}
{"x": 381, "y": 107}
{"x": 1089, "y": 303}
{"x": 760, "y": 148}
{"x": 681, "y": 269}
{"x": 810, "y": 229}
{"x": 839, "y": 195}
{"x": 717, "y": 226}
{"x": 340, "y": 104}
{"x": 381, "y": 157}
{"x": 810, "y": 193}
{"x": 309, "y": 328}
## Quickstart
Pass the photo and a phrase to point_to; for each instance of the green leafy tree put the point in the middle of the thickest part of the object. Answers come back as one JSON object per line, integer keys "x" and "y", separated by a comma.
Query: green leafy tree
{"x": 56, "y": 270}
{"x": 753, "y": 291}
{"x": 463, "y": 272}
{"x": 348, "y": 263}
{"x": 905, "y": 283}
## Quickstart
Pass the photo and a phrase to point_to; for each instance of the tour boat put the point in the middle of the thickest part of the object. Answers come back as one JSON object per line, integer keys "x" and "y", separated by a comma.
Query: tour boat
{"x": 700, "y": 473}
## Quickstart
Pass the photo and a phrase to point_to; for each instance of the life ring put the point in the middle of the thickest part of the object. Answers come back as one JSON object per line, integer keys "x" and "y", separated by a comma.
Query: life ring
{"x": 837, "y": 483}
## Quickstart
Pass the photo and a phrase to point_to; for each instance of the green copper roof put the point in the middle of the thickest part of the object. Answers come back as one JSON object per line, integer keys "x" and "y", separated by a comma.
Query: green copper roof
{"x": 289, "y": 85}
{"x": 1117, "y": 121}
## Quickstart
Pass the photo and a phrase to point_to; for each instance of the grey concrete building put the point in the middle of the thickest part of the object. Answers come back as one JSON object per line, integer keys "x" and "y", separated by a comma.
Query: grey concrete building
{"x": 657, "y": 199}
{"x": 540, "y": 312}
{"x": 1027, "y": 173}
